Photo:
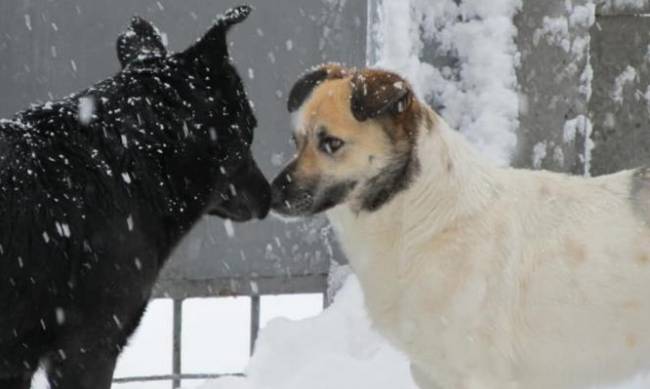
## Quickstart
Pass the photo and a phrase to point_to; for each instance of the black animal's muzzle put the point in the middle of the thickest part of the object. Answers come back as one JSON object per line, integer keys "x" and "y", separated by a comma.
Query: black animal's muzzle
{"x": 247, "y": 197}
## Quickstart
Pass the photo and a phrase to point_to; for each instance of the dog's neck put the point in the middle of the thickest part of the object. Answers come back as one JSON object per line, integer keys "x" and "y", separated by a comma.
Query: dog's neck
{"x": 453, "y": 182}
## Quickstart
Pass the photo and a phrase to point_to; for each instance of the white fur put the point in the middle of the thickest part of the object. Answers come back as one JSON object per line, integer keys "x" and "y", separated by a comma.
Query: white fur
{"x": 493, "y": 278}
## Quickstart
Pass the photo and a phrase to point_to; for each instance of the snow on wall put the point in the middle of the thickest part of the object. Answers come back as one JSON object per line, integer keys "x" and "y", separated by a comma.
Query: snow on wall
{"x": 570, "y": 32}
{"x": 628, "y": 76}
{"x": 480, "y": 94}
{"x": 619, "y": 4}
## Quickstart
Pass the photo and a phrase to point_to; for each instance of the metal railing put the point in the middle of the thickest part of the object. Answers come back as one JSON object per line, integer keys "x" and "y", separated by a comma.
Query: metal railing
{"x": 180, "y": 290}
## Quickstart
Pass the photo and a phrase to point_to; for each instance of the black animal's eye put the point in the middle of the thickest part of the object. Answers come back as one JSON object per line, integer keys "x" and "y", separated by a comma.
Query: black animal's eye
{"x": 330, "y": 144}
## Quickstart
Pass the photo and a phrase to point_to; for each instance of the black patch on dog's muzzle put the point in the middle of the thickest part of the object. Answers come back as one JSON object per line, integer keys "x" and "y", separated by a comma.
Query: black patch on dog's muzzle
{"x": 292, "y": 198}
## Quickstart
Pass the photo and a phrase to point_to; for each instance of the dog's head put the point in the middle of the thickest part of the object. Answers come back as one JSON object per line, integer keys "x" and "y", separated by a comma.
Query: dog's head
{"x": 201, "y": 91}
{"x": 355, "y": 133}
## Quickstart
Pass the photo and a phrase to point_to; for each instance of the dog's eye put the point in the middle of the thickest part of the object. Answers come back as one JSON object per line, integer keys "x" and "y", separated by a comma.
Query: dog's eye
{"x": 330, "y": 144}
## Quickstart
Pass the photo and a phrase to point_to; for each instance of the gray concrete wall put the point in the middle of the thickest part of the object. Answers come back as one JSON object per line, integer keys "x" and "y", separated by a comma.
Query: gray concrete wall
{"x": 554, "y": 82}
{"x": 621, "y": 46}
{"x": 49, "y": 49}
{"x": 550, "y": 77}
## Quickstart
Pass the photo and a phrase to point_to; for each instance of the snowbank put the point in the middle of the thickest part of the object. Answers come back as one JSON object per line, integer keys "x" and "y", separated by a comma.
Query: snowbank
{"x": 337, "y": 349}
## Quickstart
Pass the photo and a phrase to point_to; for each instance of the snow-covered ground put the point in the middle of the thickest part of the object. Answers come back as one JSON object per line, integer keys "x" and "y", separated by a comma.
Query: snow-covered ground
{"x": 337, "y": 349}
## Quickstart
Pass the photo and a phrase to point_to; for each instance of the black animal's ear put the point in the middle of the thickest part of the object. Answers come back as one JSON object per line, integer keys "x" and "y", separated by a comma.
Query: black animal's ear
{"x": 310, "y": 80}
{"x": 377, "y": 92}
{"x": 213, "y": 46}
{"x": 141, "y": 41}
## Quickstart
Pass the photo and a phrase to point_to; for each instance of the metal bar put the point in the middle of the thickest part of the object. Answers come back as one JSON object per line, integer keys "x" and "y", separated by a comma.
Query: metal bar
{"x": 255, "y": 321}
{"x": 178, "y": 331}
{"x": 239, "y": 286}
{"x": 125, "y": 380}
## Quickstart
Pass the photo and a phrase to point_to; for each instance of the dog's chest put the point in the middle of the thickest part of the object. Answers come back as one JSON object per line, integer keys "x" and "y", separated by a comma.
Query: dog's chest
{"x": 425, "y": 298}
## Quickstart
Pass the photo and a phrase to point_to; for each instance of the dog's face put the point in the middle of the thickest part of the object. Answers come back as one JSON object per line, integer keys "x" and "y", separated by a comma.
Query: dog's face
{"x": 208, "y": 98}
{"x": 354, "y": 134}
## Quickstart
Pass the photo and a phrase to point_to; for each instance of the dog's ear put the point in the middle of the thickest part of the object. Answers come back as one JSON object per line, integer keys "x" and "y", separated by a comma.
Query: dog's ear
{"x": 310, "y": 80}
{"x": 213, "y": 47}
{"x": 376, "y": 93}
{"x": 141, "y": 41}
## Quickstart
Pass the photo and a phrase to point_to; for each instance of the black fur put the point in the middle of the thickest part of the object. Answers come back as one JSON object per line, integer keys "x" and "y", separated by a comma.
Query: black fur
{"x": 98, "y": 188}
{"x": 393, "y": 179}
{"x": 303, "y": 88}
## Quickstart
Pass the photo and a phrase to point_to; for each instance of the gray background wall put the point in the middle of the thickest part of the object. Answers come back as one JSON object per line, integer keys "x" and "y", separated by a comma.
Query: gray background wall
{"x": 49, "y": 49}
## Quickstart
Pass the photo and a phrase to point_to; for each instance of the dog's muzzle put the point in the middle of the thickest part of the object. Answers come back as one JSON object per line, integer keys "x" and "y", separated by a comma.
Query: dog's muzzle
{"x": 287, "y": 198}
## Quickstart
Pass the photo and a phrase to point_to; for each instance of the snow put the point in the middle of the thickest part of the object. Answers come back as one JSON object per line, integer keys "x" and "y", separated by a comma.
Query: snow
{"x": 581, "y": 124}
{"x": 539, "y": 153}
{"x": 28, "y": 22}
{"x": 480, "y": 97}
{"x": 86, "y": 109}
{"x": 230, "y": 228}
{"x": 623, "y": 4}
{"x": 627, "y": 76}
{"x": 570, "y": 33}
{"x": 337, "y": 349}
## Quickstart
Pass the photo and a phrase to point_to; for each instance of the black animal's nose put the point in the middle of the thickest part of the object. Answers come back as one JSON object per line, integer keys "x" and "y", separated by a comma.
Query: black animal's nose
{"x": 260, "y": 208}
{"x": 257, "y": 192}
{"x": 278, "y": 189}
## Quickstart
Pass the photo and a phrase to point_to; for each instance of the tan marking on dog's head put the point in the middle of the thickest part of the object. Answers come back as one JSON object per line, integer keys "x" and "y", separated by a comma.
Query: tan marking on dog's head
{"x": 353, "y": 129}
{"x": 327, "y": 114}
{"x": 305, "y": 85}
{"x": 643, "y": 258}
{"x": 631, "y": 341}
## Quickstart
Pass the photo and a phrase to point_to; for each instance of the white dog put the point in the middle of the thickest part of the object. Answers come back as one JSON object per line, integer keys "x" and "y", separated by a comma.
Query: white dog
{"x": 486, "y": 277}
